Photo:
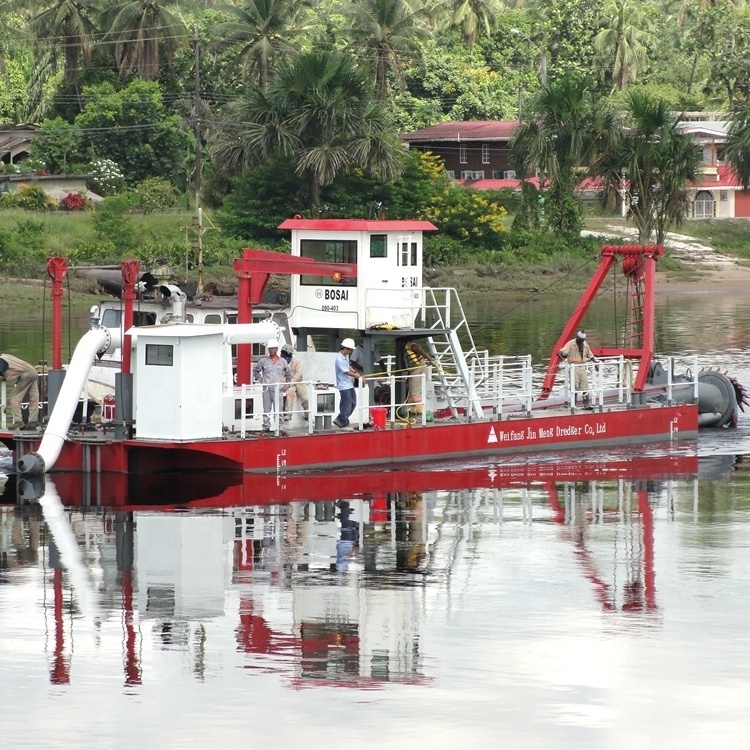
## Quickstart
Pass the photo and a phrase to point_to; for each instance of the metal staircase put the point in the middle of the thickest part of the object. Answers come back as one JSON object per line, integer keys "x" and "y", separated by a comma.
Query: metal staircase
{"x": 459, "y": 371}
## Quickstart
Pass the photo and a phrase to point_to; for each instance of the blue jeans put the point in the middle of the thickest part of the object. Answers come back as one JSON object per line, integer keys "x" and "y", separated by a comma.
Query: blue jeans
{"x": 348, "y": 400}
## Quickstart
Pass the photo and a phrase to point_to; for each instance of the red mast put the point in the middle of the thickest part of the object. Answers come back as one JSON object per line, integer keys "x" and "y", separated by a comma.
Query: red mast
{"x": 130, "y": 270}
{"x": 639, "y": 268}
{"x": 253, "y": 270}
{"x": 57, "y": 269}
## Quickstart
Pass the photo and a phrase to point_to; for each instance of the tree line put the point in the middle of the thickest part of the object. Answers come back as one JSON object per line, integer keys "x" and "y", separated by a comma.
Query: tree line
{"x": 297, "y": 105}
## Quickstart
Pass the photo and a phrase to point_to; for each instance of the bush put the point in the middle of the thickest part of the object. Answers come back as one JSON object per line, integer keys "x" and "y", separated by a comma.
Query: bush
{"x": 106, "y": 178}
{"x": 469, "y": 216}
{"x": 155, "y": 194}
{"x": 32, "y": 198}
{"x": 112, "y": 222}
{"x": 73, "y": 202}
{"x": 441, "y": 250}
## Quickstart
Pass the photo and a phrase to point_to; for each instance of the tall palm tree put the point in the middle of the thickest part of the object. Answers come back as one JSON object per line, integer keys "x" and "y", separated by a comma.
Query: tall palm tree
{"x": 472, "y": 16}
{"x": 262, "y": 31}
{"x": 318, "y": 110}
{"x": 63, "y": 30}
{"x": 140, "y": 31}
{"x": 388, "y": 30}
{"x": 623, "y": 41}
{"x": 737, "y": 149}
{"x": 655, "y": 160}
{"x": 555, "y": 142}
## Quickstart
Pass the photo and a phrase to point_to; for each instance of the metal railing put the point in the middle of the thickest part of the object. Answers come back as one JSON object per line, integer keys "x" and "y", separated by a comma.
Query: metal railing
{"x": 610, "y": 380}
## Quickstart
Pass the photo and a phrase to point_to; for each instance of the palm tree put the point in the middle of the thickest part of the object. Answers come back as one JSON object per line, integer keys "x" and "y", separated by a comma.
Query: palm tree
{"x": 64, "y": 29}
{"x": 471, "y": 16}
{"x": 655, "y": 161}
{"x": 737, "y": 149}
{"x": 140, "y": 30}
{"x": 262, "y": 30}
{"x": 556, "y": 142}
{"x": 318, "y": 110}
{"x": 389, "y": 30}
{"x": 623, "y": 41}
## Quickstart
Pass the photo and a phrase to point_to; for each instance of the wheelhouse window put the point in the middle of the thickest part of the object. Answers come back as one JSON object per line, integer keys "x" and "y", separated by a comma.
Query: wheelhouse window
{"x": 328, "y": 251}
{"x": 378, "y": 246}
{"x": 161, "y": 355}
{"x": 407, "y": 252}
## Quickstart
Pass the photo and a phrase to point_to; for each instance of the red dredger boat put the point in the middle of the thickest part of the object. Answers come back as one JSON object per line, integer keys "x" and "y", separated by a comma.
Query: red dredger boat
{"x": 184, "y": 399}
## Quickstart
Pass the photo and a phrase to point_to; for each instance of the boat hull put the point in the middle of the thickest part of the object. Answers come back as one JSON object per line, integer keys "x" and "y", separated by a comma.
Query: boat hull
{"x": 176, "y": 490}
{"x": 373, "y": 448}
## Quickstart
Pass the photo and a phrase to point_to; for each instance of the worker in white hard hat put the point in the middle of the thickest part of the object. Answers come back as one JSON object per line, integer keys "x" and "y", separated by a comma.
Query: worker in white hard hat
{"x": 274, "y": 373}
{"x": 577, "y": 353}
{"x": 345, "y": 377}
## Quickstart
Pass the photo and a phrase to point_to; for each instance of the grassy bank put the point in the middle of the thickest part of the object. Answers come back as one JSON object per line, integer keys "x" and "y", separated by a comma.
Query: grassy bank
{"x": 34, "y": 237}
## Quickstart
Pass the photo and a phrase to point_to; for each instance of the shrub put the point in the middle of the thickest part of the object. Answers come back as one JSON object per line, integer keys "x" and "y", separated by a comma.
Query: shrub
{"x": 73, "y": 202}
{"x": 32, "y": 198}
{"x": 155, "y": 194}
{"x": 112, "y": 222}
{"x": 106, "y": 177}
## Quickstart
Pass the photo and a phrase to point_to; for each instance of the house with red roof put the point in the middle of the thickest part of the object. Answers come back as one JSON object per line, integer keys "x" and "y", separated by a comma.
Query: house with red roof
{"x": 472, "y": 151}
{"x": 718, "y": 193}
{"x": 477, "y": 154}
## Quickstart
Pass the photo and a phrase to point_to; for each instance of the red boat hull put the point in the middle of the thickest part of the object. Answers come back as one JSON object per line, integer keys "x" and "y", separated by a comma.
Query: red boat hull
{"x": 376, "y": 448}
{"x": 185, "y": 489}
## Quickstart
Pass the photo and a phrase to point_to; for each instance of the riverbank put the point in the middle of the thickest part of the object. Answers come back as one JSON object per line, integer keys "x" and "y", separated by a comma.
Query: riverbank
{"x": 690, "y": 268}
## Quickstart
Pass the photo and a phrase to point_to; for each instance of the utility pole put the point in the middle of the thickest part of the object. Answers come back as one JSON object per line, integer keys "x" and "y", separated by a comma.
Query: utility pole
{"x": 198, "y": 217}
{"x": 542, "y": 55}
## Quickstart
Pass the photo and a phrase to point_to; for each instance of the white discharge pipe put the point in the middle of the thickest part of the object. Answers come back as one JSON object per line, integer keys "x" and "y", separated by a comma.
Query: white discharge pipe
{"x": 70, "y": 552}
{"x": 251, "y": 333}
{"x": 97, "y": 341}
{"x": 93, "y": 342}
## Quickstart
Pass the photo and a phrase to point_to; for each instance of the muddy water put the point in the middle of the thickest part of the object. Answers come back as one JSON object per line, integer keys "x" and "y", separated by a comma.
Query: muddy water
{"x": 584, "y": 602}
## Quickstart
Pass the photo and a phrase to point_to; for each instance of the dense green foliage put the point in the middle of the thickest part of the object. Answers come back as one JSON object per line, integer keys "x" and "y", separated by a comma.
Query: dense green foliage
{"x": 296, "y": 107}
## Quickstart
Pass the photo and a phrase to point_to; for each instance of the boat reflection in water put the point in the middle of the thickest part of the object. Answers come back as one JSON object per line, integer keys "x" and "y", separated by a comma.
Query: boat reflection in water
{"x": 324, "y": 579}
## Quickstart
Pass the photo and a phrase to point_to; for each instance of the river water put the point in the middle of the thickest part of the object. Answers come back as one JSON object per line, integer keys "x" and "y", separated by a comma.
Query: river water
{"x": 596, "y": 601}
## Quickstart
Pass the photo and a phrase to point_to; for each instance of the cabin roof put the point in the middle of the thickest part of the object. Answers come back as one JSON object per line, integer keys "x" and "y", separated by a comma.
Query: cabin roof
{"x": 358, "y": 225}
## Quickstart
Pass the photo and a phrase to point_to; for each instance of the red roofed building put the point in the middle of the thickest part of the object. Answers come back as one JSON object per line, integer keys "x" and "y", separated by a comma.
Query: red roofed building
{"x": 477, "y": 154}
{"x": 718, "y": 194}
{"x": 472, "y": 150}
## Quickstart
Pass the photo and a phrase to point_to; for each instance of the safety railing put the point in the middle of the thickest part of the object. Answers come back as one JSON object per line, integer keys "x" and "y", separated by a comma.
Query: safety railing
{"x": 610, "y": 381}
{"x": 503, "y": 381}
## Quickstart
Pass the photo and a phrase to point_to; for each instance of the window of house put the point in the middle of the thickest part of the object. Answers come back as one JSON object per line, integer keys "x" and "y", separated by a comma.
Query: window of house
{"x": 704, "y": 206}
{"x": 160, "y": 354}
{"x": 463, "y": 154}
{"x": 485, "y": 153}
{"x": 723, "y": 195}
{"x": 328, "y": 251}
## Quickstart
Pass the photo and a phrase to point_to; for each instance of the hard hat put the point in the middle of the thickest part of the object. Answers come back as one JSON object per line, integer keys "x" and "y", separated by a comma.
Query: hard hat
{"x": 581, "y": 335}
{"x": 348, "y": 344}
{"x": 272, "y": 344}
{"x": 287, "y": 349}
